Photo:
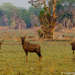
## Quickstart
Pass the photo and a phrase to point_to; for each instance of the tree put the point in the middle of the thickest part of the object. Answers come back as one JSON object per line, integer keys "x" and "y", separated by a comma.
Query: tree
{"x": 47, "y": 16}
{"x": 35, "y": 11}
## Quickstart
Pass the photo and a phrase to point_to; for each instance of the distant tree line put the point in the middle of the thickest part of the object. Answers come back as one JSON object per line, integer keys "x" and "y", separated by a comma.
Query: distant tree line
{"x": 7, "y": 10}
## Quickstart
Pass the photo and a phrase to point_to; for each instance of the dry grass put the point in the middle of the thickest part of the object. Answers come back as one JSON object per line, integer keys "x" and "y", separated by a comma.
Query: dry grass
{"x": 57, "y": 58}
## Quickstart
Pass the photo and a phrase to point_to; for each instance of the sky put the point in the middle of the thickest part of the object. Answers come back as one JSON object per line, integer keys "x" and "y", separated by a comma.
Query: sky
{"x": 18, "y": 3}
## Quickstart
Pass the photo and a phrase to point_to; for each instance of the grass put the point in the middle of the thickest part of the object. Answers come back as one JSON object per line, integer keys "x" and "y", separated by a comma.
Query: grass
{"x": 57, "y": 58}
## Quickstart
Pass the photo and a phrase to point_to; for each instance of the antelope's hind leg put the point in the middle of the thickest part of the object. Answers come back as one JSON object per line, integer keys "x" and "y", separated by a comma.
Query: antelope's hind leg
{"x": 40, "y": 56}
{"x": 73, "y": 51}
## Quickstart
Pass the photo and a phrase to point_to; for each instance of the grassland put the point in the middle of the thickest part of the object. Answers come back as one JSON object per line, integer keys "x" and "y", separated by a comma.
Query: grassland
{"x": 57, "y": 58}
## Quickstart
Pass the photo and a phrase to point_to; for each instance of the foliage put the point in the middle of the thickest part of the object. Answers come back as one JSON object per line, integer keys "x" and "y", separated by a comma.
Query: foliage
{"x": 25, "y": 15}
{"x": 9, "y": 10}
{"x": 70, "y": 1}
{"x": 40, "y": 33}
{"x": 59, "y": 7}
{"x": 66, "y": 14}
{"x": 35, "y": 11}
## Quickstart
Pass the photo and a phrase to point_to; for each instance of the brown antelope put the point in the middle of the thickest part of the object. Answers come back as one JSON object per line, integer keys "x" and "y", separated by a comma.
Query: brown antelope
{"x": 73, "y": 46}
{"x": 28, "y": 47}
{"x": 1, "y": 42}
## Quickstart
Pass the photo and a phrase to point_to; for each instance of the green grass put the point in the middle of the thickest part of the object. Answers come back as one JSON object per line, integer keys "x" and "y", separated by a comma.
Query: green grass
{"x": 57, "y": 58}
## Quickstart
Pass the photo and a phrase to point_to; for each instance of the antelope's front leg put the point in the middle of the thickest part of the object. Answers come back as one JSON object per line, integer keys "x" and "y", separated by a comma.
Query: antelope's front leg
{"x": 26, "y": 57}
{"x": 40, "y": 58}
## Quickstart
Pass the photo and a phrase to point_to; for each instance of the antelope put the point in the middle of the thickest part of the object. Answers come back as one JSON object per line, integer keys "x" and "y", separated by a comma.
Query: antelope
{"x": 29, "y": 47}
{"x": 1, "y": 42}
{"x": 73, "y": 46}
